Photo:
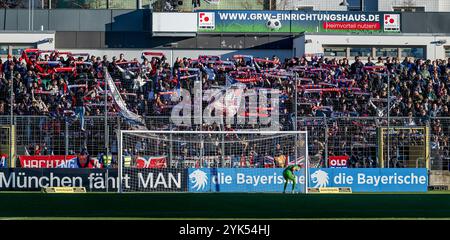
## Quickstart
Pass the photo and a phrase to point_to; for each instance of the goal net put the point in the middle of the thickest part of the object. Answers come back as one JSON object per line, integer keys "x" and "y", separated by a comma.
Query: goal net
{"x": 201, "y": 161}
{"x": 404, "y": 147}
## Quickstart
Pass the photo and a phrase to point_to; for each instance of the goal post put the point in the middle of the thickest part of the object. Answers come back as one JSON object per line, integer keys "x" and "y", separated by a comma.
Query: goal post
{"x": 210, "y": 161}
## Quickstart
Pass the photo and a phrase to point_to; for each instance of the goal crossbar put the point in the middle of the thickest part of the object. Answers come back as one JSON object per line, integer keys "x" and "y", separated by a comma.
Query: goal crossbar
{"x": 274, "y": 134}
{"x": 213, "y": 132}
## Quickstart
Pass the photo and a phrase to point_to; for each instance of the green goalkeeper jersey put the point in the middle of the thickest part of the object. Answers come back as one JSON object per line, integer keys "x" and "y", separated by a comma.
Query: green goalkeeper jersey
{"x": 288, "y": 172}
{"x": 292, "y": 168}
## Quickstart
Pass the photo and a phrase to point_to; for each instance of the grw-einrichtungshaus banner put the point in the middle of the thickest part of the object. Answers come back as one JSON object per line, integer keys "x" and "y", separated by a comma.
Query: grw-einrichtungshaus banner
{"x": 297, "y": 22}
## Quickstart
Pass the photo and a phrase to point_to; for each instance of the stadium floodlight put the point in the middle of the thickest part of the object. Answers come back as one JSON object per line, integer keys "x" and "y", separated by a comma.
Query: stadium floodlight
{"x": 45, "y": 40}
{"x": 439, "y": 42}
{"x": 167, "y": 161}
{"x": 344, "y": 3}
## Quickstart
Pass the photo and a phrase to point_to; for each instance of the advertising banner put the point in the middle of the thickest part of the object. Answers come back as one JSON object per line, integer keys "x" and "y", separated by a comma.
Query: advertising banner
{"x": 271, "y": 180}
{"x": 34, "y": 179}
{"x": 151, "y": 162}
{"x": 214, "y": 179}
{"x": 94, "y": 180}
{"x": 297, "y": 21}
{"x": 238, "y": 180}
{"x": 338, "y": 161}
{"x": 50, "y": 161}
{"x": 372, "y": 179}
{"x": 244, "y": 21}
{"x": 154, "y": 180}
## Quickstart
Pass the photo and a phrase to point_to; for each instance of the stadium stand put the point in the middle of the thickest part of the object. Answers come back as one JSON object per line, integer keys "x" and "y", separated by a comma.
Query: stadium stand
{"x": 65, "y": 86}
{"x": 43, "y": 82}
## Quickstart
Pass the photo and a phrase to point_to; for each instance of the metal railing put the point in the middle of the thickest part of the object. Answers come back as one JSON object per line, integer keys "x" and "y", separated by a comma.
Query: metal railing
{"x": 190, "y": 5}
{"x": 357, "y": 137}
{"x": 177, "y": 5}
{"x": 157, "y": 5}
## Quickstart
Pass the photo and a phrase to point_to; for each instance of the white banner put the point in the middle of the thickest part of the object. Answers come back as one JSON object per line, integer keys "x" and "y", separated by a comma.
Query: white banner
{"x": 122, "y": 105}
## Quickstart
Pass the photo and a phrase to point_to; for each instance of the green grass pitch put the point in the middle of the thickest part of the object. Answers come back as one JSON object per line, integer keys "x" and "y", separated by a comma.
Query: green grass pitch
{"x": 14, "y": 205}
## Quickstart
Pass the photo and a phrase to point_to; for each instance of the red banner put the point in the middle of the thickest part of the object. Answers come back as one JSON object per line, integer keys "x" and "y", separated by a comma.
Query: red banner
{"x": 338, "y": 161}
{"x": 3, "y": 161}
{"x": 151, "y": 162}
{"x": 52, "y": 161}
{"x": 352, "y": 25}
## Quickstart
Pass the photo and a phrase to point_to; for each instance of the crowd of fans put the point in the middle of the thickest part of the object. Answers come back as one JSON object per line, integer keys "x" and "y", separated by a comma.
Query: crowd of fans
{"x": 12, "y": 4}
{"x": 56, "y": 84}
{"x": 70, "y": 86}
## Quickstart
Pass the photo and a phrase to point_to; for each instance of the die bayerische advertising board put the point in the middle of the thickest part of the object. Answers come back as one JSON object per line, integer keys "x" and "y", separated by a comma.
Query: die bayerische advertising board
{"x": 297, "y": 21}
{"x": 271, "y": 179}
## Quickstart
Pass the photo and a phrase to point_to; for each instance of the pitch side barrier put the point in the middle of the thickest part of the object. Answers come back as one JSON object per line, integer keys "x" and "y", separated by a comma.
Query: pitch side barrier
{"x": 214, "y": 179}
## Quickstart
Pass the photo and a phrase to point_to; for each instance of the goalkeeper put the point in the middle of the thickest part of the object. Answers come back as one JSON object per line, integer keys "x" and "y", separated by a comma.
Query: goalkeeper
{"x": 289, "y": 175}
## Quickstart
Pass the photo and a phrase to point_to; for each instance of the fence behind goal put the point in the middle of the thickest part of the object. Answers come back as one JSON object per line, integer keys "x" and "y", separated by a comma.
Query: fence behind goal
{"x": 203, "y": 161}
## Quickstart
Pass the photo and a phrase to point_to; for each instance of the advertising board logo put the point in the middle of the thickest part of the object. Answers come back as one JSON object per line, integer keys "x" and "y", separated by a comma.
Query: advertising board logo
{"x": 273, "y": 24}
{"x": 206, "y": 20}
{"x": 320, "y": 178}
{"x": 338, "y": 161}
{"x": 392, "y": 22}
{"x": 199, "y": 179}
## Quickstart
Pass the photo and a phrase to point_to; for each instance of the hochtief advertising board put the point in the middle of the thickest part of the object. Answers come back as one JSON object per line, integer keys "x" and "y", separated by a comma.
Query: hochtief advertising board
{"x": 297, "y": 22}
{"x": 50, "y": 161}
{"x": 271, "y": 180}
